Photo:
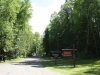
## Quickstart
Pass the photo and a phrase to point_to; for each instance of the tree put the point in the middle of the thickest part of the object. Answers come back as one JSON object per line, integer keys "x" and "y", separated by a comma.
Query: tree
{"x": 46, "y": 42}
{"x": 38, "y": 49}
{"x": 85, "y": 24}
{"x": 77, "y": 22}
{"x": 15, "y": 33}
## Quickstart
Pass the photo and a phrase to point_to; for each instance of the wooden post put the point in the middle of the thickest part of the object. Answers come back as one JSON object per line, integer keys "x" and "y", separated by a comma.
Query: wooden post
{"x": 74, "y": 55}
{"x": 70, "y": 52}
{"x": 55, "y": 61}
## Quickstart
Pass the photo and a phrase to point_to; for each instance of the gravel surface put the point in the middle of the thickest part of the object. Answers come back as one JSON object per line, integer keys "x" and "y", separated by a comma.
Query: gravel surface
{"x": 28, "y": 66}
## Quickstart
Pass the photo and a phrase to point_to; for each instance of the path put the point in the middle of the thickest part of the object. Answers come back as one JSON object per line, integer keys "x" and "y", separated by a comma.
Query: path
{"x": 28, "y": 66}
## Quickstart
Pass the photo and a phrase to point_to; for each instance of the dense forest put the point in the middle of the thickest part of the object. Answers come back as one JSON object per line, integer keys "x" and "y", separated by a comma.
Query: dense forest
{"x": 78, "y": 22}
{"x": 16, "y": 37}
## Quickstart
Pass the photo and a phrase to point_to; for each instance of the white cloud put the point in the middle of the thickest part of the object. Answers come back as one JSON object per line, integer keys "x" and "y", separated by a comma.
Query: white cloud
{"x": 41, "y": 15}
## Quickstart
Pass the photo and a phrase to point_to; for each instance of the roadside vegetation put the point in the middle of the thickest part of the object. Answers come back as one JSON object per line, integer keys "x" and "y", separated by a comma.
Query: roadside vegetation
{"x": 78, "y": 23}
{"x": 16, "y": 36}
{"x": 65, "y": 65}
{"x": 12, "y": 60}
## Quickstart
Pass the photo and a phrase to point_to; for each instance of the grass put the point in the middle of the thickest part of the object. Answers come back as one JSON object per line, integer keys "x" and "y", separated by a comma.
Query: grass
{"x": 65, "y": 65}
{"x": 12, "y": 60}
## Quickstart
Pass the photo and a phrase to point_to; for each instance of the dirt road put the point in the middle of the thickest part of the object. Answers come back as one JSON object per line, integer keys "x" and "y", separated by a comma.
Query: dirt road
{"x": 28, "y": 66}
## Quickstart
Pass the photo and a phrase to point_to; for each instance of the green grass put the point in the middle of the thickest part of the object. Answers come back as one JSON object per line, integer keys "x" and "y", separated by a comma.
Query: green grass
{"x": 83, "y": 67}
{"x": 12, "y": 60}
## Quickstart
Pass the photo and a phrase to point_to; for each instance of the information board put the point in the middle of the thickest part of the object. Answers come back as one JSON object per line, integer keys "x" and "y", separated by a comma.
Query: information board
{"x": 67, "y": 53}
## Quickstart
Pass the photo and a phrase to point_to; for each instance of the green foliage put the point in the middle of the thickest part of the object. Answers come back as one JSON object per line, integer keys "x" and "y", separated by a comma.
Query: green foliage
{"x": 77, "y": 22}
{"x": 38, "y": 47}
{"x": 46, "y": 42}
{"x": 16, "y": 37}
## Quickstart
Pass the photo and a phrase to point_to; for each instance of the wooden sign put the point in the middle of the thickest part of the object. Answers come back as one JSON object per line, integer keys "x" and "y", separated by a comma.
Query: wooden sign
{"x": 70, "y": 52}
{"x": 55, "y": 55}
{"x": 67, "y": 53}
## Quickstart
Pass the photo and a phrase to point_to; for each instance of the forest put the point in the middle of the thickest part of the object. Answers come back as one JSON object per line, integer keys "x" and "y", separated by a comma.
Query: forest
{"x": 78, "y": 22}
{"x": 16, "y": 37}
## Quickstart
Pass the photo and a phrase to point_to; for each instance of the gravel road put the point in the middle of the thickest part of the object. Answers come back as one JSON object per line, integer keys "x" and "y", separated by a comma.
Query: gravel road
{"x": 28, "y": 66}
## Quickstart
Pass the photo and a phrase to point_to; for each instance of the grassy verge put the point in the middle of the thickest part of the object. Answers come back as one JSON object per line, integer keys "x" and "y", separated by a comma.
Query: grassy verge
{"x": 12, "y": 60}
{"x": 83, "y": 67}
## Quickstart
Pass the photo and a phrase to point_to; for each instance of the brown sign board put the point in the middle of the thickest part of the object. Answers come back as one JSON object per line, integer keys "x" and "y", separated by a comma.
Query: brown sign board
{"x": 67, "y": 52}
{"x": 70, "y": 52}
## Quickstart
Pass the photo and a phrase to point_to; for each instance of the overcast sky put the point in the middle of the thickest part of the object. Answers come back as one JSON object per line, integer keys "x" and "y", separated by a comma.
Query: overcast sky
{"x": 42, "y": 10}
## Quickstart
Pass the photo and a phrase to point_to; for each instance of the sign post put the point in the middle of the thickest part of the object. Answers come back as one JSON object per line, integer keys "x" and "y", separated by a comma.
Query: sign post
{"x": 55, "y": 55}
{"x": 74, "y": 55}
{"x": 70, "y": 52}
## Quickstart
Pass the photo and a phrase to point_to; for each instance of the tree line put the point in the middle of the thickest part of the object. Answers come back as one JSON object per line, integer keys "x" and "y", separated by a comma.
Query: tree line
{"x": 16, "y": 37}
{"x": 78, "y": 22}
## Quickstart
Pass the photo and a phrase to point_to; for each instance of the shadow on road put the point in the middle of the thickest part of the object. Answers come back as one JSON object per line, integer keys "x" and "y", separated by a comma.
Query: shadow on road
{"x": 35, "y": 61}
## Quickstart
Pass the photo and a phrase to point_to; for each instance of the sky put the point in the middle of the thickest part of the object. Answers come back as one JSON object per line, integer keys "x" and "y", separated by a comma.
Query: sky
{"x": 42, "y": 10}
